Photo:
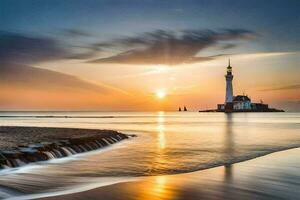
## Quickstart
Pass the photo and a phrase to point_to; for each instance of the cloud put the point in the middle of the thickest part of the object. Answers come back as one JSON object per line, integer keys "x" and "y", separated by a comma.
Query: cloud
{"x": 28, "y": 49}
{"x": 157, "y": 47}
{"x": 82, "y": 56}
{"x": 228, "y": 46}
{"x": 25, "y": 87}
{"x": 265, "y": 54}
{"x": 287, "y": 87}
{"x": 76, "y": 33}
{"x": 37, "y": 77}
{"x": 170, "y": 48}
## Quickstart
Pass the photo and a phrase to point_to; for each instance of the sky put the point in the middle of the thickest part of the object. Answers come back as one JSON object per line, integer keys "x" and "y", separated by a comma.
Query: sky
{"x": 147, "y": 55}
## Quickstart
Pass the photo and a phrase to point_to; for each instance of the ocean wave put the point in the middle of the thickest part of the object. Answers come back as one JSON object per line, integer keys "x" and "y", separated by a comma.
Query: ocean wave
{"x": 89, "y": 183}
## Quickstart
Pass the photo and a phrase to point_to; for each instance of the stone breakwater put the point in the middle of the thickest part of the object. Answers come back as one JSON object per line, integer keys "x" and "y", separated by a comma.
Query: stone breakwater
{"x": 22, "y": 145}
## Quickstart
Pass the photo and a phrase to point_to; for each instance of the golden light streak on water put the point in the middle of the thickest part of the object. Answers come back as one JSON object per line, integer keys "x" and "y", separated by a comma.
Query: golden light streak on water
{"x": 161, "y": 131}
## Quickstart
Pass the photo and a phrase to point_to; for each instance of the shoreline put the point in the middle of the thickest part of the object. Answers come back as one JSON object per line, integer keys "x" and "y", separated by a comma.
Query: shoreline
{"x": 85, "y": 188}
{"x": 201, "y": 182}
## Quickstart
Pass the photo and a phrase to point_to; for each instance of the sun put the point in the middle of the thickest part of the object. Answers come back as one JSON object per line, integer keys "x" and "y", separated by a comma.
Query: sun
{"x": 161, "y": 94}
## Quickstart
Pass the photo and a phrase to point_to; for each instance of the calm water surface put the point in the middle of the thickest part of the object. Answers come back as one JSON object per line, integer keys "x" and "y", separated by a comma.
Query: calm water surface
{"x": 167, "y": 143}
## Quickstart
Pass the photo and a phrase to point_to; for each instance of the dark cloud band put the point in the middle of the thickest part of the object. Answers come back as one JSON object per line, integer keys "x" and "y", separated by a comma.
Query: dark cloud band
{"x": 28, "y": 49}
{"x": 170, "y": 48}
{"x": 287, "y": 87}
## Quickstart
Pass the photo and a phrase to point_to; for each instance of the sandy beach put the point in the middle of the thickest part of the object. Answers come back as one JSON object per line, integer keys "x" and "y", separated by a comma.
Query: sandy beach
{"x": 13, "y": 136}
{"x": 275, "y": 176}
{"x": 23, "y": 145}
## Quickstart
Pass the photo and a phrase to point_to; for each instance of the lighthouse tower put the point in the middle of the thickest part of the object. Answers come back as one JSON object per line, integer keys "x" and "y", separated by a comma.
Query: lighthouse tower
{"x": 229, "y": 90}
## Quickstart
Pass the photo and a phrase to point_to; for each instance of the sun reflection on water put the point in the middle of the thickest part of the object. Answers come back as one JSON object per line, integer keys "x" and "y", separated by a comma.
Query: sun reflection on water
{"x": 159, "y": 161}
{"x": 161, "y": 130}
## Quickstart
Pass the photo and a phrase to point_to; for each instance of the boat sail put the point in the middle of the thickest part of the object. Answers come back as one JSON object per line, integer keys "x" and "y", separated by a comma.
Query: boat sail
{"x": 184, "y": 109}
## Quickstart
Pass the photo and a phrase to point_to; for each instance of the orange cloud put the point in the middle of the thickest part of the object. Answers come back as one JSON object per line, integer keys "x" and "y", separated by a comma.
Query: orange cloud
{"x": 24, "y": 87}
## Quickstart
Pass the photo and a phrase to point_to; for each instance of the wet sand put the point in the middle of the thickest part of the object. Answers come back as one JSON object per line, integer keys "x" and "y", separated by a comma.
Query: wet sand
{"x": 14, "y": 136}
{"x": 275, "y": 176}
{"x": 20, "y": 146}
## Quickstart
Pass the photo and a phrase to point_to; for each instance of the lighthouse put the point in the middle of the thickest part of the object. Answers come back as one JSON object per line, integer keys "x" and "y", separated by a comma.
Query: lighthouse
{"x": 229, "y": 90}
{"x": 238, "y": 103}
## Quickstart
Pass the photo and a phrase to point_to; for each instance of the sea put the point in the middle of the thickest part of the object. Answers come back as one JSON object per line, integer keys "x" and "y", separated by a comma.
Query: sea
{"x": 167, "y": 143}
